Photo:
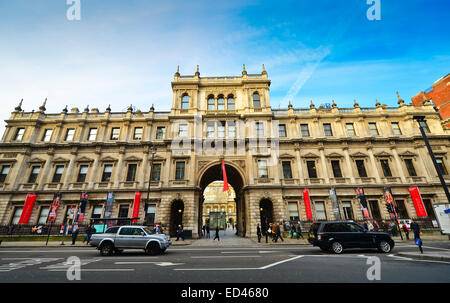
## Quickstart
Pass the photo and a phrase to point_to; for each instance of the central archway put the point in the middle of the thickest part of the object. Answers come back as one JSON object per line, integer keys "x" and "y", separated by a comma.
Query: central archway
{"x": 213, "y": 172}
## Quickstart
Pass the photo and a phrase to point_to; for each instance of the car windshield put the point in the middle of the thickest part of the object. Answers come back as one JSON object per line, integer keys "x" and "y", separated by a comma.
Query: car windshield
{"x": 149, "y": 231}
{"x": 355, "y": 227}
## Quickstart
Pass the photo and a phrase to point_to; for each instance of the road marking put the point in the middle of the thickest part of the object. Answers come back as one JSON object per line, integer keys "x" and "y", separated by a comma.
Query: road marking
{"x": 25, "y": 262}
{"x": 206, "y": 257}
{"x": 143, "y": 262}
{"x": 65, "y": 265}
{"x": 100, "y": 270}
{"x": 241, "y": 268}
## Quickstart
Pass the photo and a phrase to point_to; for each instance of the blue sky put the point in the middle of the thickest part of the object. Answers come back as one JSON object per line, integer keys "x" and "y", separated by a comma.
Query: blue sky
{"x": 126, "y": 52}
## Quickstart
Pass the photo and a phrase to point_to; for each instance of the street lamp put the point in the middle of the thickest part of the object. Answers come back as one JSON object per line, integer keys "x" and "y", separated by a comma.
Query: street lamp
{"x": 420, "y": 119}
{"x": 153, "y": 151}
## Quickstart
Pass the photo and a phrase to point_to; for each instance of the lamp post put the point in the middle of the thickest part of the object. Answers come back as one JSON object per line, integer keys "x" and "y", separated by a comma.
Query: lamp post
{"x": 433, "y": 158}
{"x": 153, "y": 151}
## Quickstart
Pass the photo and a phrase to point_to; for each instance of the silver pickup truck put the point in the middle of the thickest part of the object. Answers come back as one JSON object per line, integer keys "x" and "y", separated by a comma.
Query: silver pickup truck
{"x": 116, "y": 239}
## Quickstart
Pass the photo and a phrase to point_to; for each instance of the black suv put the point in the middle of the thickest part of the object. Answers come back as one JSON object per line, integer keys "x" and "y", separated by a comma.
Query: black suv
{"x": 337, "y": 235}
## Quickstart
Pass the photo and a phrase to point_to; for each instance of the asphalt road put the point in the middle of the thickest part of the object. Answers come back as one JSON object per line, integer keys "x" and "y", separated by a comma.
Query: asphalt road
{"x": 292, "y": 264}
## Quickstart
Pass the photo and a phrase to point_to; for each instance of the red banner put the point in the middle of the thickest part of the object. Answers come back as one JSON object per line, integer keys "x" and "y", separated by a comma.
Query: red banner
{"x": 27, "y": 209}
{"x": 225, "y": 180}
{"x": 307, "y": 204}
{"x": 137, "y": 201}
{"x": 417, "y": 200}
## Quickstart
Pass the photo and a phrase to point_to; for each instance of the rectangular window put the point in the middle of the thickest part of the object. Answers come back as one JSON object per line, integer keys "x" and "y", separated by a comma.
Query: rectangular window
{"x": 4, "y": 173}
{"x": 327, "y": 129}
{"x": 115, "y": 131}
{"x": 210, "y": 130}
{"x": 320, "y": 210}
{"x": 183, "y": 130}
{"x": 34, "y": 174}
{"x": 92, "y": 134}
{"x": 305, "y": 130}
{"x": 221, "y": 129}
{"x": 138, "y": 131}
{"x": 441, "y": 165}
{"x": 107, "y": 171}
{"x": 287, "y": 172}
{"x": 429, "y": 208}
{"x": 156, "y": 172}
{"x": 231, "y": 129}
{"x": 347, "y": 209}
{"x": 402, "y": 212}
{"x": 82, "y": 173}
{"x": 97, "y": 212}
{"x": 179, "y": 173}
{"x": 131, "y": 174}
{"x": 160, "y": 133}
{"x": 312, "y": 171}
{"x": 16, "y": 216}
{"x": 350, "y": 129}
{"x": 282, "y": 130}
{"x": 47, "y": 135}
{"x": 259, "y": 129}
{"x": 396, "y": 128}
{"x": 59, "y": 170}
{"x": 335, "y": 165}
{"x": 124, "y": 210}
{"x": 385, "y": 167}
{"x": 293, "y": 211}
{"x": 19, "y": 134}
{"x": 410, "y": 167}
{"x": 375, "y": 209}
{"x": 43, "y": 215}
{"x": 373, "y": 129}
{"x": 361, "y": 168}
{"x": 150, "y": 214}
{"x": 424, "y": 126}
{"x": 69, "y": 134}
{"x": 262, "y": 169}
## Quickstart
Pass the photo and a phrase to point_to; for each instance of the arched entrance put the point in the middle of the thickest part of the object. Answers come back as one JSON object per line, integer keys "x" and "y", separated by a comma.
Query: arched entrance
{"x": 176, "y": 216}
{"x": 266, "y": 213}
{"x": 212, "y": 173}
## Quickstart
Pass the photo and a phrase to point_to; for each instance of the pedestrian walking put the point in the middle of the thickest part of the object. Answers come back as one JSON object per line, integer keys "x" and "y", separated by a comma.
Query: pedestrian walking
{"x": 180, "y": 233}
{"x": 207, "y": 231}
{"x": 376, "y": 227}
{"x": 258, "y": 233}
{"x": 89, "y": 231}
{"x": 204, "y": 230}
{"x": 278, "y": 233}
{"x": 406, "y": 230}
{"x": 417, "y": 233}
{"x": 75, "y": 235}
{"x": 299, "y": 230}
{"x": 217, "y": 234}
{"x": 293, "y": 231}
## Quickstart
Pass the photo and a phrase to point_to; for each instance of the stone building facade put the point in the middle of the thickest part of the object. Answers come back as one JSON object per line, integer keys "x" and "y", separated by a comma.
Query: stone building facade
{"x": 270, "y": 155}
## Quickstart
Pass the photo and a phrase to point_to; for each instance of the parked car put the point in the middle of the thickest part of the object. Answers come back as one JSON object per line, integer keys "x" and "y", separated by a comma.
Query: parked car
{"x": 338, "y": 235}
{"x": 116, "y": 239}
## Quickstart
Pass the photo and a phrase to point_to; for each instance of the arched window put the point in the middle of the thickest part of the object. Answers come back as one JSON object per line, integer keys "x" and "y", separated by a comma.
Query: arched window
{"x": 185, "y": 102}
{"x": 230, "y": 102}
{"x": 211, "y": 103}
{"x": 221, "y": 103}
{"x": 256, "y": 101}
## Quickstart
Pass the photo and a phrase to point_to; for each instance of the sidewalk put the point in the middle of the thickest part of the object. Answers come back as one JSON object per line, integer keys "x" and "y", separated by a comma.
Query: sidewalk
{"x": 428, "y": 255}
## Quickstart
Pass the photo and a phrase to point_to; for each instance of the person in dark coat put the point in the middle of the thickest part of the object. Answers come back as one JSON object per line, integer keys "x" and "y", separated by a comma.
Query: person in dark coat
{"x": 299, "y": 231}
{"x": 75, "y": 235}
{"x": 207, "y": 231}
{"x": 278, "y": 233}
{"x": 217, "y": 234}
{"x": 258, "y": 233}
{"x": 89, "y": 231}
{"x": 180, "y": 233}
{"x": 293, "y": 230}
{"x": 416, "y": 229}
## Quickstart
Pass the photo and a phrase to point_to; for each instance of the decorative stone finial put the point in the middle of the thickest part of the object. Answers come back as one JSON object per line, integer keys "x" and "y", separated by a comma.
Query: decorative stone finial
{"x": 264, "y": 70}
{"x": 86, "y": 110}
{"x": 244, "y": 72}
{"x": 312, "y": 106}
{"x": 197, "y": 73}
{"x": 152, "y": 109}
{"x": 333, "y": 104}
{"x": 19, "y": 107}
{"x": 401, "y": 102}
{"x": 130, "y": 108}
{"x": 290, "y": 105}
{"x": 355, "y": 104}
{"x": 65, "y": 110}
{"x": 42, "y": 108}
{"x": 378, "y": 104}
{"x": 108, "y": 109}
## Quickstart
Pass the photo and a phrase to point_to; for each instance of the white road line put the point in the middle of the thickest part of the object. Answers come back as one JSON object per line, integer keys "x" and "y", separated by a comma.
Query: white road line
{"x": 156, "y": 263}
{"x": 221, "y": 257}
{"x": 241, "y": 268}
{"x": 100, "y": 270}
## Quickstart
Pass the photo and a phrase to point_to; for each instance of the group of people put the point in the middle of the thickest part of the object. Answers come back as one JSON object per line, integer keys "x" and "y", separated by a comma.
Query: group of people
{"x": 273, "y": 231}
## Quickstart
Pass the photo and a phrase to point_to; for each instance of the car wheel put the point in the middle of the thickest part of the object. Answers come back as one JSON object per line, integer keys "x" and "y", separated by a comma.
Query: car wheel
{"x": 384, "y": 246}
{"x": 153, "y": 249}
{"x": 107, "y": 249}
{"x": 337, "y": 247}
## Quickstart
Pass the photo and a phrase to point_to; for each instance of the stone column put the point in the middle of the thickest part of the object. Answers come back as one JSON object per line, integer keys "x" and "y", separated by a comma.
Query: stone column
{"x": 323, "y": 161}
{"x": 301, "y": 175}
{"x": 374, "y": 164}
{"x": 119, "y": 169}
{"x": 398, "y": 163}
{"x": 46, "y": 171}
{"x": 70, "y": 171}
{"x": 349, "y": 165}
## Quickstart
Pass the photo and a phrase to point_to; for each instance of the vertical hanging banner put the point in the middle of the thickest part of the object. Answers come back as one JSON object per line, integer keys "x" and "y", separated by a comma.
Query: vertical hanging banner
{"x": 225, "y": 179}
{"x": 27, "y": 209}
{"x": 54, "y": 208}
{"x": 81, "y": 210}
{"x": 417, "y": 200}
{"x": 307, "y": 204}
{"x": 109, "y": 205}
{"x": 137, "y": 201}
{"x": 334, "y": 201}
{"x": 362, "y": 200}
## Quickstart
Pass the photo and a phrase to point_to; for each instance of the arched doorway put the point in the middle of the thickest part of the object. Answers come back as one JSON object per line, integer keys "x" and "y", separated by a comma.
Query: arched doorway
{"x": 266, "y": 213}
{"x": 176, "y": 216}
{"x": 212, "y": 173}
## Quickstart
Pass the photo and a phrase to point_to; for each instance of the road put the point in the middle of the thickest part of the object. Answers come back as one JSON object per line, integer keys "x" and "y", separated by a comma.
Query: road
{"x": 187, "y": 264}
